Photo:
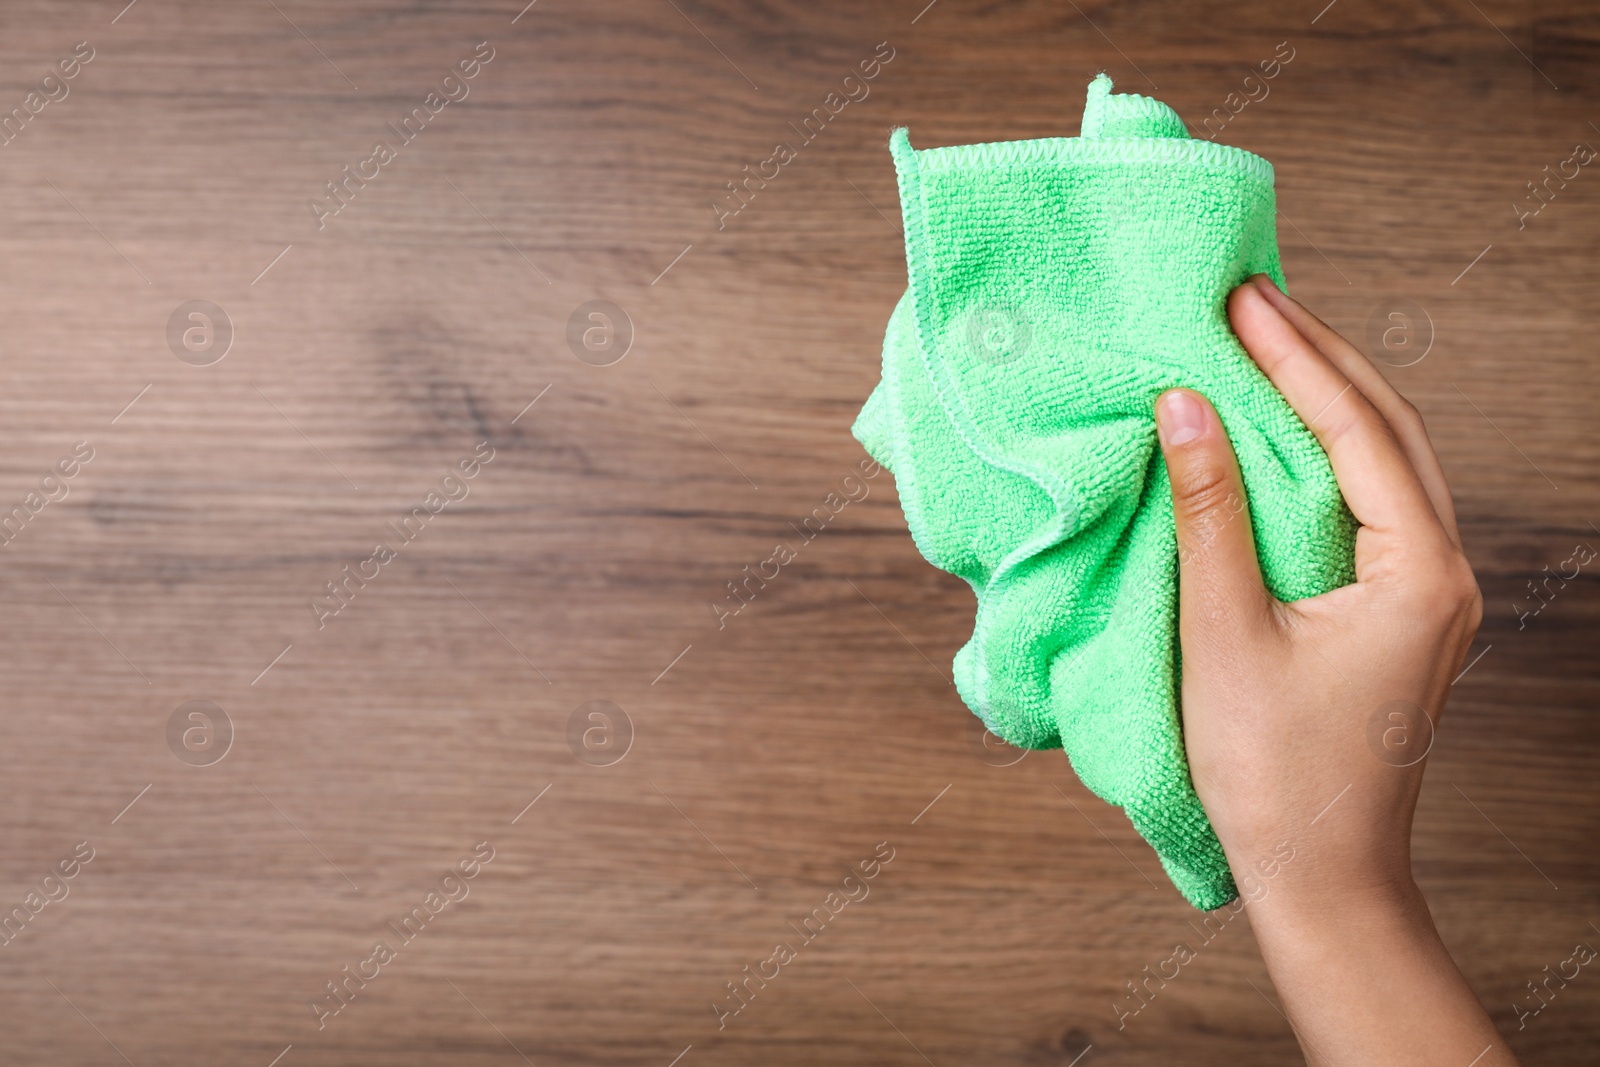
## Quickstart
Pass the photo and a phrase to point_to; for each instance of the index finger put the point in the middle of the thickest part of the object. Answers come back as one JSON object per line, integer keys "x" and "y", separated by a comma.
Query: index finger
{"x": 1378, "y": 482}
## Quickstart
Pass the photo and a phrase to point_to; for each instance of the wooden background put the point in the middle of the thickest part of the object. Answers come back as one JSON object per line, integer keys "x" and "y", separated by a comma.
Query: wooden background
{"x": 370, "y": 356}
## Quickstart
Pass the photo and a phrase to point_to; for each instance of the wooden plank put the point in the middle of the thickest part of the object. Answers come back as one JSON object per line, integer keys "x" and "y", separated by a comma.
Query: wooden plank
{"x": 372, "y": 355}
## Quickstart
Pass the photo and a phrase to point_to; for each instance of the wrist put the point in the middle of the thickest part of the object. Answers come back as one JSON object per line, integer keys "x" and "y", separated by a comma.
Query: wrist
{"x": 1311, "y": 918}
{"x": 1321, "y": 871}
{"x": 1361, "y": 971}
{"x": 1310, "y": 889}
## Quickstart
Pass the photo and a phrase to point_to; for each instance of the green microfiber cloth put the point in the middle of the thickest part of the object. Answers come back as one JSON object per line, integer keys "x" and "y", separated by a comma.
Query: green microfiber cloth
{"x": 1057, "y": 287}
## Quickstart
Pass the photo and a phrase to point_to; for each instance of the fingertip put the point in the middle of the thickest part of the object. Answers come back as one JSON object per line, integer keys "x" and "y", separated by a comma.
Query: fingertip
{"x": 1265, "y": 283}
{"x": 1247, "y": 297}
{"x": 1280, "y": 301}
{"x": 1182, "y": 417}
{"x": 1252, "y": 289}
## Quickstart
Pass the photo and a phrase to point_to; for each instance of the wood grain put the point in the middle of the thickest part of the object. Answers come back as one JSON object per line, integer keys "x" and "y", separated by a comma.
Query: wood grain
{"x": 770, "y": 754}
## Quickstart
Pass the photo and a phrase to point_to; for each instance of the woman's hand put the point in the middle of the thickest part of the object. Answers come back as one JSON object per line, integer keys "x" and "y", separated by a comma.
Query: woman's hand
{"x": 1306, "y": 723}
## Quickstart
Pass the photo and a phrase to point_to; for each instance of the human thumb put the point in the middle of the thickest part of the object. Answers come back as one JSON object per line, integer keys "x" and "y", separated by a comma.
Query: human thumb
{"x": 1219, "y": 577}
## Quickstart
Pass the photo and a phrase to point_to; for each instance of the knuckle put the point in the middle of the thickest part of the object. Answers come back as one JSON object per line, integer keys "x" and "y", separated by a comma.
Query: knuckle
{"x": 1341, "y": 419}
{"x": 1464, "y": 581}
{"x": 1473, "y": 599}
{"x": 1411, "y": 418}
{"x": 1204, "y": 489}
{"x": 1450, "y": 586}
{"x": 1475, "y": 612}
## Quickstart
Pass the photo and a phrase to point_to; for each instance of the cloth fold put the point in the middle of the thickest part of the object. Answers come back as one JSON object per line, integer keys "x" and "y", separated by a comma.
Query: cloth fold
{"x": 1056, "y": 288}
